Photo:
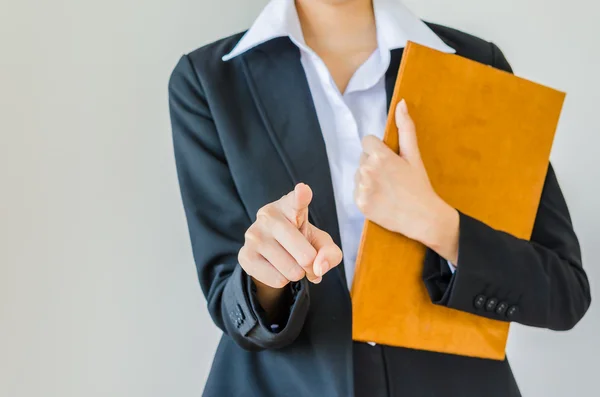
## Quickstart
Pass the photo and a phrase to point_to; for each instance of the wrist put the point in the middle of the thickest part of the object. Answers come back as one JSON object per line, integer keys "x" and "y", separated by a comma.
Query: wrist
{"x": 269, "y": 298}
{"x": 441, "y": 232}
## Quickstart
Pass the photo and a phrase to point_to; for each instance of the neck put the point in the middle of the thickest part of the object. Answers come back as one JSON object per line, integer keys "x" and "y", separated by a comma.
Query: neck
{"x": 338, "y": 25}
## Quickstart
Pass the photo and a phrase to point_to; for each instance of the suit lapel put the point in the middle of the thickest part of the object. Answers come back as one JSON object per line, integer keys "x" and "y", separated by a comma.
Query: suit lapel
{"x": 282, "y": 96}
{"x": 279, "y": 88}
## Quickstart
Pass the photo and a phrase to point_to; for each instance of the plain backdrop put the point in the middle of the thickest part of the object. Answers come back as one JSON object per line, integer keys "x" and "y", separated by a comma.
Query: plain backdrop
{"x": 98, "y": 291}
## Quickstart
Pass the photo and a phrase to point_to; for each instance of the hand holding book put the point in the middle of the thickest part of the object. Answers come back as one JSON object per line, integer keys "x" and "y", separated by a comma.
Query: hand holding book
{"x": 393, "y": 190}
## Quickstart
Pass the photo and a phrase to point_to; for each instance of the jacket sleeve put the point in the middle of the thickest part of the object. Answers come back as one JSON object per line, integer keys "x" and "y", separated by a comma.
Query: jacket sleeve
{"x": 540, "y": 282}
{"x": 217, "y": 221}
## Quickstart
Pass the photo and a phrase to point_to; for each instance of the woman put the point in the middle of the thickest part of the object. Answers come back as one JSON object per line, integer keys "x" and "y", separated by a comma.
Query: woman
{"x": 277, "y": 136}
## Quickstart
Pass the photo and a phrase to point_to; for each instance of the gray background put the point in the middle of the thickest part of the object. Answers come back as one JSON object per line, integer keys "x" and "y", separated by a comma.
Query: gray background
{"x": 98, "y": 292}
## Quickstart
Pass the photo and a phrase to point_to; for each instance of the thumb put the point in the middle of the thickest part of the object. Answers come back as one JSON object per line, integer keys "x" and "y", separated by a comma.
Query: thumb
{"x": 407, "y": 134}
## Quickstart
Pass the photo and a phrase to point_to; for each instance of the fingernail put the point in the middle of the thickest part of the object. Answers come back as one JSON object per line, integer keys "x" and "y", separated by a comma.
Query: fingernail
{"x": 403, "y": 107}
{"x": 318, "y": 270}
{"x": 323, "y": 268}
{"x": 317, "y": 281}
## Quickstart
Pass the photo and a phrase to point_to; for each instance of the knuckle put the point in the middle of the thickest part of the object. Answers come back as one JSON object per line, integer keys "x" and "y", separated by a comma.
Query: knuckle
{"x": 339, "y": 255}
{"x": 251, "y": 235}
{"x": 329, "y": 238}
{"x": 362, "y": 203}
{"x": 265, "y": 212}
{"x": 384, "y": 154}
{"x": 365, "y": 187}
{"x": 245, "y": 260}
{"x": 261, "y": 213}
{"x": 357, "y": 179}
{"x": 376, "y": 159}
{"x": 359, "y": 202}
{"x": 366, "y": 171}
{"x": 243, "y": 257}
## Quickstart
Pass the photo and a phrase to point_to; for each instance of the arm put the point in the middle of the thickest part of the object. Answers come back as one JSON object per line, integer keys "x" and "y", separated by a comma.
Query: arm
{"x": 217, "y": 222}
{"x": 540, "y": 282}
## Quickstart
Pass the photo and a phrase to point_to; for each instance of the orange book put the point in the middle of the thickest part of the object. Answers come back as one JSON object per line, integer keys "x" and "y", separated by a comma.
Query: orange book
{"x": 485, "y": 138}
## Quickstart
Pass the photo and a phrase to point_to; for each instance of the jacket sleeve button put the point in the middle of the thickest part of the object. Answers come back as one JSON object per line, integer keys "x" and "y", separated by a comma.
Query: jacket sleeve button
{"x": 491, "y": 304}
{"x": 501, "y": 309}
{"x": 479, "y": 301}
{"x": 512, "y": 311}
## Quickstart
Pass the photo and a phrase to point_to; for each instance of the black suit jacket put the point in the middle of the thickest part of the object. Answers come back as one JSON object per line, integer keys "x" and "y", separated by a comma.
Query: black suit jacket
{"x": 245, "y": 132}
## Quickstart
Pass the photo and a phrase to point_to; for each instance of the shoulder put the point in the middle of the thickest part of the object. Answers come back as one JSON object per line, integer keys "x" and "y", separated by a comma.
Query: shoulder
{"x": 207, "y": 60}
{"x": 213, "y": 52}
{"x": 470, "y": 46}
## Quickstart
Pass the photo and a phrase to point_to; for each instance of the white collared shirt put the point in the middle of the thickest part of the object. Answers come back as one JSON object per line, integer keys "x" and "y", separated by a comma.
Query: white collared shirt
{"x": 345, "y": 118}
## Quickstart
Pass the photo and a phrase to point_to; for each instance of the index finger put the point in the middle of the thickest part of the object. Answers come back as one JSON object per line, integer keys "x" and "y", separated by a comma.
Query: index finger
{"x": 294, "y": 205}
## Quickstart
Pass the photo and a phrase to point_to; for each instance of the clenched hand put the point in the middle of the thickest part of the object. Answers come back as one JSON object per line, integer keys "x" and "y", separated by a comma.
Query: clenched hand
{"x": 282, "y": 246}
{"x": 394, "y": 191}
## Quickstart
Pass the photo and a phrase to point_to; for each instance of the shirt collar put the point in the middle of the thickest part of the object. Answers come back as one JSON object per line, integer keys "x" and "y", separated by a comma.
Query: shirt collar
{"x": 396, "y": 25}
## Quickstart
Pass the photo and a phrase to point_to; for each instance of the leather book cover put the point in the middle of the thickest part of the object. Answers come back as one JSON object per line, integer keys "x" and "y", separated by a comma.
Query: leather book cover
{"x": 485, "y": 137}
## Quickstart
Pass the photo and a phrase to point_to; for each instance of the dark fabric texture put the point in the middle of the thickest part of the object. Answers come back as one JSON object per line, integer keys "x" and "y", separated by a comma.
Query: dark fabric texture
{"x": 371, "y": 378}
{"x": 245, "y": 132}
